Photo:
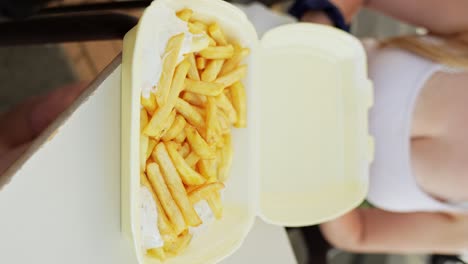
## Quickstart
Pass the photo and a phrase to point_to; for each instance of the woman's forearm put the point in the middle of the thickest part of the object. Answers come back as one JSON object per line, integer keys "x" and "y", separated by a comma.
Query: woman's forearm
{"x": 377, "y": 231}
{"x": 442, "y": 17}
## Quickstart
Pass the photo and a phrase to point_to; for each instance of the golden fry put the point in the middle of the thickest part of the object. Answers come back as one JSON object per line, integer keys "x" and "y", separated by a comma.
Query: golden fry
{"x": 233, "y": 76}
{"x": 227, "y": 92}
{"x": 185, "y": 14}
{"x": 198, "y": 144}
{"x": 223, "y": 103}
{"x": 181, "y": 137}
{"x": 194, "y": 99}
{"x": 143, "y": 119}
{"x": 168, "y": 68}
{"x": 188, "y": 175}
{"x": 179, "y": 244}
{"x": 203, "y": 88}
{"x": 195, "y": 28}
{"x": 218, "y": 52}
{"x": 201, "y": 63}
{"x": 157, "y": 122}
{"x": 164, "y": 225}
{"x": 157, "y": 253}
{"x": 211, "y": 121}
{"x": 217, "y": 34}
{"x": 200, "y": 110}
{"x": 204, "y": 191}
{"x": 177, "y": 126}
{"x": 162, "y": 191}
{"x": 200, "y": 25}
{"x": 168, "y": 123}
{"x": 175, "y": 185}
{"x": 143, "y": 147}
{"x": 190, "y": 114}
{"x": 223, "y": 121}
{"x": 200, "y": 42}
{"x": 193, "y": 72}
{"x": 149, "y": 103}
{"x": 225, "y": 163}
{"x": 212, "y": 70}
{"x": 239, "y": 102}
{"x": 183, "y": 150}
{"x": 239, "y": 55}
{"x": 192, "y": 159}
{"x": 215, "y": 203}
{"x": 207, "y": 168}
{"x": 151, "y": 144}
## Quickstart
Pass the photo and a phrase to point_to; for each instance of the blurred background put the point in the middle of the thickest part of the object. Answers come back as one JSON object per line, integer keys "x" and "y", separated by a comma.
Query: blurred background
{"x": 27, "y": 70}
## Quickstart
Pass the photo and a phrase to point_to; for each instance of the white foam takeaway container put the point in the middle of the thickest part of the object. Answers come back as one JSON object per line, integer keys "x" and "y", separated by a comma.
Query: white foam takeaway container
{"x": 304, "y": 157}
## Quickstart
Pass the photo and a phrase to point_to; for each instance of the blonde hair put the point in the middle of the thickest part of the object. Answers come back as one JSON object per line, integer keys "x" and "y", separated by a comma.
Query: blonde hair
{"x": 449, "y": 50}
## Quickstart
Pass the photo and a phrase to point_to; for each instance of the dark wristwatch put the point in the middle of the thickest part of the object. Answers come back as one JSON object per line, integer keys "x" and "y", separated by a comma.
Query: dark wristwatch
{"x": 300, "y": 7}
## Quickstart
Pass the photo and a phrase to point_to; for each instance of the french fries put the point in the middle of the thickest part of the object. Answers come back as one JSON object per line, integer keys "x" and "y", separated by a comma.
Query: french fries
{"x": 183, "y": 150}
{"x": 143, "y": 119}
{"x": 216, "y": 33}
{"x": 218, "y": 52}
{"x": 239, "y": 55}
{"x": 169, "y": 65}
{"x": 144, "y": 140}
{"x": 151, "y": 144}
{"x": 179, "y": 244}
{"x": 167, "y": 202}
{"x": 239, "y": 103}
{"x": 174, "y": 183}
{"x": 194, "y": 99}
{"x": 214, "y": 201}
{"x": 185, "y": 14}
{"x": 225, "y": 161}
{"x": 188, "y": 175}
{"x": 193, "y": 71}
{"x": 203, "y": 88}
{"x": 201, "y": 63}
{"x": 212, "y": 70}
{"x": 198, "y": 144}
{"x": 189, "y": 112}
{"x": 164, "y": 224}
{"x": 211, "y": 121}
{"x": 223, "y": 103}
{"x": 185, "y": 129}
{"x": 204, "y": 191}
{"x": 177, "y": 127}
{"x": 192, "y": 159}
{"x": 157, "y": 123}
{"x": 234, "y": 76}
{"x": 208, "y": 169}
{"x": 149, "y": 103}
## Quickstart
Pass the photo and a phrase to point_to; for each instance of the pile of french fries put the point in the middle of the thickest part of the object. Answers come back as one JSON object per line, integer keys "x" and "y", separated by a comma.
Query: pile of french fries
{"x": 185, "y": 140}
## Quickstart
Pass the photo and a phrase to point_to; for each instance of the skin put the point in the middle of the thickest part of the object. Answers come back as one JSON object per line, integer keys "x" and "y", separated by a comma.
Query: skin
{"x": 439, "y": 147}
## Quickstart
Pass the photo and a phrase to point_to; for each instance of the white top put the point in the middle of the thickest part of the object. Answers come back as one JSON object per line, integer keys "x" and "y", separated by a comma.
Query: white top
{"x": 398, "y": 77}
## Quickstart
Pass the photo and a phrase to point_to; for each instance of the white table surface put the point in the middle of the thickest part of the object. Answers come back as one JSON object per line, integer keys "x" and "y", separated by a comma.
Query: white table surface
{"x": 63, "y": 205}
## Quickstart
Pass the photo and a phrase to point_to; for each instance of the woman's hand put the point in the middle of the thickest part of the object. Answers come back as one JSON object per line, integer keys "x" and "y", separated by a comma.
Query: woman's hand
{"x": 22, "y": 124}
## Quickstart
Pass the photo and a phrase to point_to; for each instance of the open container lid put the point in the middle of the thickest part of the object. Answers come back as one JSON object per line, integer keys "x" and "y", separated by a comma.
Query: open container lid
{"x": 314, "y": 147}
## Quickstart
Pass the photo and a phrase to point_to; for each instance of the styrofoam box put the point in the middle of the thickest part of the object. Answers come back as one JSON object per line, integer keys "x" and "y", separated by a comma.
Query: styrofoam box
{"x": 305, "y": 155}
